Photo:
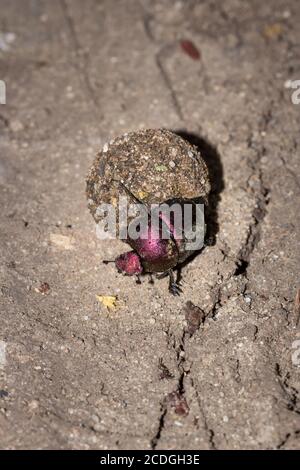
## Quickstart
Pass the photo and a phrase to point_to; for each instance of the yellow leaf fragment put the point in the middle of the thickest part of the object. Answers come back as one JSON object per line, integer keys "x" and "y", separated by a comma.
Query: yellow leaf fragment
{"x": 114, "y": 201}
{"x": 109, "y": 301}
{"x": 272, "y": 31}
{"x": 142, "y": 194}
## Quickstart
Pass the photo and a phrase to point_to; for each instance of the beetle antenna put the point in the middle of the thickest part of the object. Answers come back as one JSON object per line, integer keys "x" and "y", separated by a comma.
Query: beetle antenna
{"x": 106, "y": 261}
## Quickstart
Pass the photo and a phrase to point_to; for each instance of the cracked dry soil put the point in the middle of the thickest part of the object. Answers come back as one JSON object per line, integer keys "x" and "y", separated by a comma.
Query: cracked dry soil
{"x": 213, "y": 368}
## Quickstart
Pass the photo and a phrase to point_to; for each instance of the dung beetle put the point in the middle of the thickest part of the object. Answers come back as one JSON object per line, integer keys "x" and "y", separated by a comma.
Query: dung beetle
{"x": 162, "y": 174}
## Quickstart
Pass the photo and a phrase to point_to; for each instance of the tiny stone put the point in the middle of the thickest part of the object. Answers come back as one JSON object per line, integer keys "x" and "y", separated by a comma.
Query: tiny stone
{"x": 178, "y": 423}
{"x": 288, "y": 83}
{"x": 33, "y": 405}
{"x": 16, "y": 126}
{"x": 98, "y": 427}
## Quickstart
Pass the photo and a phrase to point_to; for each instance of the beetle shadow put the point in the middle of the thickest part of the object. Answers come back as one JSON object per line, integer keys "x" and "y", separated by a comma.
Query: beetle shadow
{"x": 213, "y": 161}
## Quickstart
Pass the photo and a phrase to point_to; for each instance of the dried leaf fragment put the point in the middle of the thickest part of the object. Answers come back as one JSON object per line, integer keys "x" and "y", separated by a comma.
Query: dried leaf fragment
{"x": 273, "y": 31}
{"x": 179, "y": 403}
{"x": 190, "y": 49}
{"x": 109, "y": 301}
{"x": 142, "y": 194}
{"x": 194, "y": 317}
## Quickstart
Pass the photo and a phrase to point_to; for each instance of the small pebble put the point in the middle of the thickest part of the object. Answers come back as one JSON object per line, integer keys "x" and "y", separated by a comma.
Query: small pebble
{"x": 16, "y": 126}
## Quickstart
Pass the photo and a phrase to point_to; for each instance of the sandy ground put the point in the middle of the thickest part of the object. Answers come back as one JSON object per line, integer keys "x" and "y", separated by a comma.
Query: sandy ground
{"x": 76, "y": 375}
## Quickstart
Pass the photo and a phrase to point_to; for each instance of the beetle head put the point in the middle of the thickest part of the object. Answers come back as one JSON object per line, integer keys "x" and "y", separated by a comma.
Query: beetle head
{"x": 129, "y": 263}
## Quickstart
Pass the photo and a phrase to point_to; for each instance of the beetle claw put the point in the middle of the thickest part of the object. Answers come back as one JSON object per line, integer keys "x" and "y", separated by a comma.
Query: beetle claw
{"x": 175, "y": 289}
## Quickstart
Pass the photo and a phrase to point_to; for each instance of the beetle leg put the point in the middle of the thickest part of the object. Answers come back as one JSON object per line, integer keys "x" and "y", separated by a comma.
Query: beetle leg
{"x": 210, "y": 241}
{"x": 138, "y": 279}
{"x": 162, "y": 275}
{"x": 174, "y": 288}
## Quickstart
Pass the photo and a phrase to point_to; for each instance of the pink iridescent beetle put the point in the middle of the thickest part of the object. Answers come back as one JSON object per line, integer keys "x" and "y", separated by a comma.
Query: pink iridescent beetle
{"x": 156, "y": 170}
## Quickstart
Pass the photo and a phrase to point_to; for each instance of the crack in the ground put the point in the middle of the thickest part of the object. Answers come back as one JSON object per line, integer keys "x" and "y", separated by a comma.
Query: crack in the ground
{"x": 210, "y": 432}
{"x": 159, "y": 60}
{"x": 161, "y": 424}
{"x": 5, "y": 120}
{"x": 178, "y": 395}
{"x": 258, "y": 215}
{"x": 290, "y": 171}
{"x": 84, "y": 70}
{"x": 287, "y": 438}
{"x": 290, "y": 392}
{"x": 260, "y": 193}
{"x": 237, "y": 371}
{"x": 217, "y": 293}
{"x": 147, "y": 18}
{"x": 176, "y": 398}
{"x": 168, "y": 82}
